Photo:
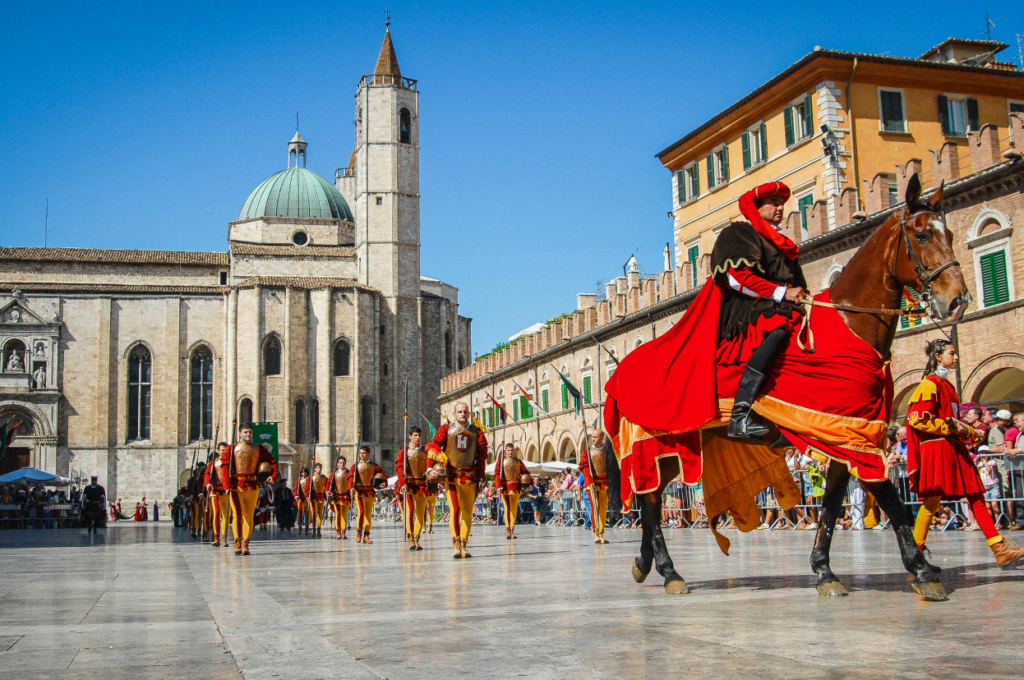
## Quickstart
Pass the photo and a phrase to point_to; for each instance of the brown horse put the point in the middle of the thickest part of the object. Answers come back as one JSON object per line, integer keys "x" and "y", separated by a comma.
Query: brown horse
{"x": 912, "y": 249}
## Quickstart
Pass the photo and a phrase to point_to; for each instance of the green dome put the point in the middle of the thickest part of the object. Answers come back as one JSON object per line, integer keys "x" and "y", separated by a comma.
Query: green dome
{"x": 295, "y": 192}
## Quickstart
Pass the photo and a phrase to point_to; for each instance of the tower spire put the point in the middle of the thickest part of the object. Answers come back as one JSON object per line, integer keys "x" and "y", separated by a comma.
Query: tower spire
{"x": 387, "y": 62}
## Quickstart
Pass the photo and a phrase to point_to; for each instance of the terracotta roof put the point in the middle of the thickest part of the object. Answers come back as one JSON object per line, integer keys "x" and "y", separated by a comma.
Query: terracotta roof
{"x": 116, "y": 256}
{"x": 387, "y": 62}
{"x": 990, "y": 44}
{"x": 821, "y": 53}
{"x": 261, "y": 249}
{"x": 303, "y": 282}
{"x": 111, "y": 288}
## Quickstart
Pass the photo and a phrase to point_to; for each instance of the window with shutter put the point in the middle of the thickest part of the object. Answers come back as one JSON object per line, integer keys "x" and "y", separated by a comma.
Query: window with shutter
{"x": 587, "y": 381}
{"x": 565, "y": 396}
{"x": 745, "y": 140}
{"x": 515, "y": 409}
{"x": 681, "y": 187}
{"x": 764, "y": 142}
{"x": 787, "y": 117}
{"x": 544, "y": 399}
{"x": 807, "y": 117}
{"x": 694, "y": 181}
{"x": 692, "y": 253}
{"x": 804, "y": 204}
{"x": 725, "y": 164}
{"x": 994, "y": 283}
{"x": 891, "y": 103}
{"x": 711, "y": 172}
{"x": 973, "y": 119}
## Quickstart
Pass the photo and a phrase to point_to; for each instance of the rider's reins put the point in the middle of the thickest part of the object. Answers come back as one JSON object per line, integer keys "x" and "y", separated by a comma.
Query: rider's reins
{"x": 924, "y": 274}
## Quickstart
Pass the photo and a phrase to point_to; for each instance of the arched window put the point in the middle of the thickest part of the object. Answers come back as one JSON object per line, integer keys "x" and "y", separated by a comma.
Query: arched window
{"x": 300, "y": 421}
{"x": 314, "y": 419}
{"x": 245, "y": 412}
{"x": 200, "y": 397}
{"x": 460, "y": 363}
{"x": 272, "y": 356}
{"x": 140, "y": 385}
{"x": 366, "y": 418}
{"x": 448, "y": 350}
{"x": 14, "y": 357}
{"x": 342, "y": 353}
{"x": 404, "y": 127}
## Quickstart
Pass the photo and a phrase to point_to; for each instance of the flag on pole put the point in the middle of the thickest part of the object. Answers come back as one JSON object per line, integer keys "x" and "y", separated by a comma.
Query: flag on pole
{"x": 479, "y": 424}
{"x": 430, "y": 426}
{"x": 502, "y": 413}
{"x": 576, "y": 394}
{"x": 7, "y": 431}
{"x": 529, "y": 398}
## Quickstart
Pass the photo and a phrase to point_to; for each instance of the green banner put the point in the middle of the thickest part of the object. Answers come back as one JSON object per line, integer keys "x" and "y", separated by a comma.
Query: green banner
{"x": 266, "y": 434}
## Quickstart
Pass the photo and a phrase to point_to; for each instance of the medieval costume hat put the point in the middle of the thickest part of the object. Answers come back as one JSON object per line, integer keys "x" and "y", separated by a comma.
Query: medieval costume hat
{"x": 748, "y": 206}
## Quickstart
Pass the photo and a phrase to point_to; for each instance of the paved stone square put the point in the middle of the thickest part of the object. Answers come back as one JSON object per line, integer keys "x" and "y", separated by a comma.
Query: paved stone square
{"x": 146, "y": 601}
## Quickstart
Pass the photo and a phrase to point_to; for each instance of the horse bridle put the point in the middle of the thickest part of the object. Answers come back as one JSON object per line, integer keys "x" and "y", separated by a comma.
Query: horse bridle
{"x": 925, "y": 275}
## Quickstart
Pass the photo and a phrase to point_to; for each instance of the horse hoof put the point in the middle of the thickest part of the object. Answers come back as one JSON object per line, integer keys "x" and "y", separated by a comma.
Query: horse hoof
{"x": 930, "y": 591}
{"x": 676, "y": 587}
{"x": 638, "y": 575}
{"x": 831, "y": 589}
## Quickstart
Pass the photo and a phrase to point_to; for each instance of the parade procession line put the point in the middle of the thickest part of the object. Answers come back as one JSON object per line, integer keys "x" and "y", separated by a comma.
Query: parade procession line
{"x": 147, "y": 601}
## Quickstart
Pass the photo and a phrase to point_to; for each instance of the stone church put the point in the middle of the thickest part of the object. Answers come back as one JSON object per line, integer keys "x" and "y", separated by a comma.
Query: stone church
{"x": 124, "y": 363}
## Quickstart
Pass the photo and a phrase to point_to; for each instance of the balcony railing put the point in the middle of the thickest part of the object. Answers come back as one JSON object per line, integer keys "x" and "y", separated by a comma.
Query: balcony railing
{"x": 384, "y": 79}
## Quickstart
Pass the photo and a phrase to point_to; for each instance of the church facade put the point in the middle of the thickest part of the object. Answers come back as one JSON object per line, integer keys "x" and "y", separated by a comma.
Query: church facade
{"x": 126, "y": 363}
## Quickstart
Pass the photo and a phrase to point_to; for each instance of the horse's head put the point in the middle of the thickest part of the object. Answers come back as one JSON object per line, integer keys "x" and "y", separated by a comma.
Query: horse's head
{"x": 924, "y": 255}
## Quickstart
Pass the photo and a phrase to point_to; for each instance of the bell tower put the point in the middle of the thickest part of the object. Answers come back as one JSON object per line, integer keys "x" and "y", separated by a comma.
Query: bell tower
{"x": 387, "y": 236}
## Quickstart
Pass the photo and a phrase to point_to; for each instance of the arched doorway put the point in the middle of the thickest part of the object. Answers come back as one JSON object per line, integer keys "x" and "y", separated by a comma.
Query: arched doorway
{"x": 549, "y": 452}
{"x": 18, "y": 454}
{"x": 567, "y": 452}
{"x": 531, "y": 454}
{"x": 1002, "y": 389}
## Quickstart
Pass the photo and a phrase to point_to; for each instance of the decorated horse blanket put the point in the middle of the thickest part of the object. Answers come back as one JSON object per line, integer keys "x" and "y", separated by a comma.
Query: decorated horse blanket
{"x": 667, "y": 396}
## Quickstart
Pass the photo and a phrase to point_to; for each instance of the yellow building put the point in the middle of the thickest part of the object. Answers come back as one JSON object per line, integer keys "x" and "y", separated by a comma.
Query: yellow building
{"x": 838, "y": 128}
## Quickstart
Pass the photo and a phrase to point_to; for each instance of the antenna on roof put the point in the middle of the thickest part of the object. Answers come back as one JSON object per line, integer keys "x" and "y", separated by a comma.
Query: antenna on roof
{"x": 990, "y": 24}
{"x": 1020, "y": 49}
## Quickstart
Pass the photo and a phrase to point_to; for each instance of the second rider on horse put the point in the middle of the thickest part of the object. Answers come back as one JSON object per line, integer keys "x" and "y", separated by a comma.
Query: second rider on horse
{"x": 755, "y": 265}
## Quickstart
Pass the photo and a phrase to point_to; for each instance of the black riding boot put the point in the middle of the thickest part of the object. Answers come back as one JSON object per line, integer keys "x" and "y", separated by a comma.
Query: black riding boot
{"x": 744, "y": 424}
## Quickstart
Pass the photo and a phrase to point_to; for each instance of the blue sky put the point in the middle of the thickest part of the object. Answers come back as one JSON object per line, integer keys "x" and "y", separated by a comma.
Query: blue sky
{"x": 147, "y": 125}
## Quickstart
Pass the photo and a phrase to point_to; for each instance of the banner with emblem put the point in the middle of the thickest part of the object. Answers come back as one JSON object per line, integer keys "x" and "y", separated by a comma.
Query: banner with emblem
{"x": 266, "y": 434}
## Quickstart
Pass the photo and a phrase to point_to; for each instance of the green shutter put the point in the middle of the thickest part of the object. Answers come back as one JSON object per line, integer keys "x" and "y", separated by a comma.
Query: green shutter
{"x": 515, "y": 409}
{"x": 764, "y": 143}
{"x": 692, "y": 253}
{"x": 681, "y": 187}
{"x": 892, "y": 112}
{"x": 725, "y": 164}
{"x": 544, "y": 400}
{"x": 711, "y": 173}
{"x": 745, "y": 138}
{"x": 565, "y": 396}
{"x": 586, "y": 390}
{"x": 944, "y": 113}
{"x": 808, "y": 116}
{"x": 694, "y": 181}
{"x": 803, "y": 205}
{"x": 787, "y": 117}
{"x": 973, "y": 120}
{"x": 994, "y": 284}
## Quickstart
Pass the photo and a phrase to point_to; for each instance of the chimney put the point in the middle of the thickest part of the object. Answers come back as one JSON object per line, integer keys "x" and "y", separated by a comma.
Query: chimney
{"x": 846, "y": 207}
{"x": 686, "y": 275}
{"x": 667, "y": 285}
{"x": 984, "y": 147}
{"x": 1017, "y": 130}
{"x": 578, "y": 323}
{"x": 619, "y": 307}
{"x": 586, "y": 300}
{"x": 945, "y": 163}
{"x": 633, "y": 300}
{"x": 633, "y": 279}
{"x": 603, "y": 316}
{"x": 876, "y": 193}
{"x": 792, "y": 228}
{"x": 567, "y": 330}
{"x": 620, "y": 284}
{"x": 650, "y": 290}
{"x": 817, "y": 219}
{"x": 589, "y": 319}
{"x": 610, "y": 290}
{"x": 903, "y": 175}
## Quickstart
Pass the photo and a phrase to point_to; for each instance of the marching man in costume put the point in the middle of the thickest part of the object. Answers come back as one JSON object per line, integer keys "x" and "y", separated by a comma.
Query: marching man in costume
{"x": 938, "y": 460}
{"x": 461, "y": 448}
{"x": 340, "y": 493}
{"x": 316, "y": 491}
{"x": 594, "y": 466}
{"x": 198, "y": 489}
{"x": 413, "y": 469}
{"x": 242, "y": 472}
{"x": 756, "y": 268}
{"x": 367, "y": 478}
{"x": 510, "y": 477}
{"x": 217, "y": 494}
{"x": 301, "y": 492}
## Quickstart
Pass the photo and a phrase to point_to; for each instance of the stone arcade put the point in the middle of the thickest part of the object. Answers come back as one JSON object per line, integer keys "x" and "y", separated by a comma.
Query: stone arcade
{"x": 122, "y": 363}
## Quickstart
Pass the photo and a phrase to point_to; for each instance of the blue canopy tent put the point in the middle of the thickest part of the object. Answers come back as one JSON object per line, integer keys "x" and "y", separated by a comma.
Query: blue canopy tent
{"x": 32, "y": 476}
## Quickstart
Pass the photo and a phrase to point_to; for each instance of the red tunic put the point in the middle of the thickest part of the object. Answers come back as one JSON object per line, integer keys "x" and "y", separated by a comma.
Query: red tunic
{"x": 247, "y": 482}
{"x": 358, "y": 488}
{"x": 509, "y": 485}
{"x": 439, "y": 443}
{"x": 588, "y": 478}
{"x": 938, "y": 461}
{"x": 413, "y": 487}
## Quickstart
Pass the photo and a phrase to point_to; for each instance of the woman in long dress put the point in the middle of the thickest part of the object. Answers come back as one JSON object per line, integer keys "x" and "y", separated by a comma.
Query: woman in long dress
{"x": 138, "y": 513}
{"x": 938, "y": 460}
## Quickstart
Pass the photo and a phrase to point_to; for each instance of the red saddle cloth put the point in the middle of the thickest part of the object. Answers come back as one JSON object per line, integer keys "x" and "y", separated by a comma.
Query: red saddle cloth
{"x": 834, "y": 402}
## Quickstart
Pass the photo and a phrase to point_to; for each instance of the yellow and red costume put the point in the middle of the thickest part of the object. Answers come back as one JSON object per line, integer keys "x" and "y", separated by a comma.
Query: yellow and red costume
{"x": 340, "y": 486}
{"x": 463, "y": 453}
{"x": 244, "y": 487}
{"x": 218, "y": 505}
{"x": 508, "y": 474}
{"x": 365, "y": 495}
{"x": 197, "y": 488}
{"x": 593, "y": 464}
{"x": 314, "y": 495}
{"x": 413, "y": 482}
{"x": 938, "y": 460}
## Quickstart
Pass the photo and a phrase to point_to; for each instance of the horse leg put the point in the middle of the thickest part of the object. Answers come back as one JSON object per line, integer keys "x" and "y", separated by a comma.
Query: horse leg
{"x": 926, "y": 580}
{"x": 674, "y": 583}
{"x": 642, "y": 564}
{"x": 832, "y": 505}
